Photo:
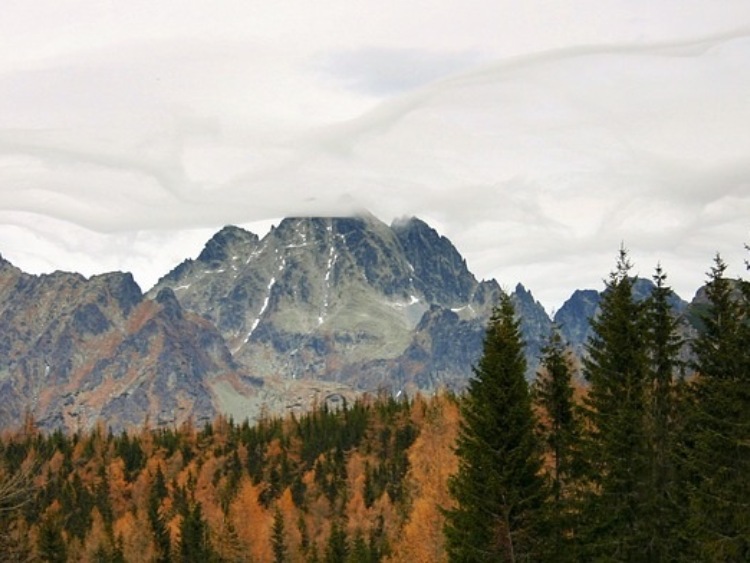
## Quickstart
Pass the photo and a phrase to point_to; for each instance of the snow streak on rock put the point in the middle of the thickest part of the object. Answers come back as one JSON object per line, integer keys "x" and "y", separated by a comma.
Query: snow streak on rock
{"x": 262, "y": 310}
{"x": 329, "y": 268}
{"x": 266, "y": 301}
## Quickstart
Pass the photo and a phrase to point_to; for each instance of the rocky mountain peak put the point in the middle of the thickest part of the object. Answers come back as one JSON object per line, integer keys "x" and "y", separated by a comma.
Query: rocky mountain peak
{"x": 7, "y": 268}
{"x": 121, "y": 287}
{"x": 229, "y": 241}
{"x": 440, "y": 272}
{"x": 319, "y": 303}
{"x": 170, "y": 306}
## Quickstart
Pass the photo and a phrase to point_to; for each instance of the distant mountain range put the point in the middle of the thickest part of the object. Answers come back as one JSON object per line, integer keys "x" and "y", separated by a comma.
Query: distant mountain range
{"x": 320, "y": 309}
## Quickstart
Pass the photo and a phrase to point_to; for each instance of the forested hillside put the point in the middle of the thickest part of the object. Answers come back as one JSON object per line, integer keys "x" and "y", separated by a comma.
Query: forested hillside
{"x": 362, "y": 483}
{"x": 633, "y": 454}
{"x": 651, "y": 462}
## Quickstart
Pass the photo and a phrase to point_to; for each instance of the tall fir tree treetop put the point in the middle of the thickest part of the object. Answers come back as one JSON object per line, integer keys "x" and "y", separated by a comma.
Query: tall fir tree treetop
{"x": 615, "y": 445}
{"x": 498, "y": 489}
{"x": 718, "y": 430}
{"x": 720, "y": 349}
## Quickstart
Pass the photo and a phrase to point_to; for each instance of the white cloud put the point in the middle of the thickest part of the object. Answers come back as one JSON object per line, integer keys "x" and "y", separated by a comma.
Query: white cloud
{"x": 536, "y": 135}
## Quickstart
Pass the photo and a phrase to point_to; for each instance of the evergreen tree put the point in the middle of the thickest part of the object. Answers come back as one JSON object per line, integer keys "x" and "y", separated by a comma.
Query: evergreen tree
{"x": 360, "y": 550}
{"x": 52, "y": 546}
{"x": 337, "y": 549}
{"x": 560, "y": 432}
{"x": 615, "y": 447}
{"x": 194, "y": 543}
{"x": 156, "y": 520}
{"x": 663, "y": 511}
{"x": 278, "y": 539}
{"x": 718, "y": 433}
{"x": 498, "y": 490}
{"x": 102, "y": 499}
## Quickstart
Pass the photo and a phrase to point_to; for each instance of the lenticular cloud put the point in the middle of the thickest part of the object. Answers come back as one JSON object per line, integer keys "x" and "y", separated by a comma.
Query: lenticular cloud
{"x": 536, "y": 167}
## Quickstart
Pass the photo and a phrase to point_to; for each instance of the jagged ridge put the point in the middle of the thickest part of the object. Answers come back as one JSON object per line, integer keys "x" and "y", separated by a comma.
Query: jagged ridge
{"x": 317, "y": 307}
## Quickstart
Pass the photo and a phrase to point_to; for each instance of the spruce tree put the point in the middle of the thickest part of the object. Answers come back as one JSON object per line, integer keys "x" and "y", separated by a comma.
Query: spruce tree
{"x": 559, "y": 430}
{"x": 337, "y": 549}
{"x": 156, "y": 520}
{"x": 663, "y": 510}
{"x": 51, "y": 543}
{"x": 498, "y": 489}
{"x": 278, "y": 539}
{"x": 194, "y": 545}
{"x": 718, "y": 433}
{"x": 615, "y": 446}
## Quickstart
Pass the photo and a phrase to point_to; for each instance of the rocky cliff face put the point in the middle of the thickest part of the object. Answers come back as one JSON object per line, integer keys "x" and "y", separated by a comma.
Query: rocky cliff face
{"x": 348, "y": 300}
{"x": 74, "y": 351}
{"x": 320, "y": 307}
{"x": 573, "y": 317}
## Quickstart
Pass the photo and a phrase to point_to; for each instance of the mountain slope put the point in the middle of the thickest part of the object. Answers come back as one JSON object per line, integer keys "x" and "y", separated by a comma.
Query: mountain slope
{"x": 349, "y": 300}
{"x": 318, "y": 309}
{"x": 74, "y": 351}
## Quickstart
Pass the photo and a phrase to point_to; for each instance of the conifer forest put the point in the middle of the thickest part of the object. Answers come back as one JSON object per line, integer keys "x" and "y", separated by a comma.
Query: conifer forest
{"x": 638, "y": 451}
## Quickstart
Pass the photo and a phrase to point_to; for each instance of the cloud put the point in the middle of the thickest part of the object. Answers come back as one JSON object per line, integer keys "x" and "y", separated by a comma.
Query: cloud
{"x": 384, "y": 72}
{"x": 535, "y": 139}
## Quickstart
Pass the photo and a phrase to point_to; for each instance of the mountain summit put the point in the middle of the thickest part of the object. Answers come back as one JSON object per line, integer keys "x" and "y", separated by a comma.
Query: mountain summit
{"x": 348, "y": 300}
{"x": 320, "y": 308}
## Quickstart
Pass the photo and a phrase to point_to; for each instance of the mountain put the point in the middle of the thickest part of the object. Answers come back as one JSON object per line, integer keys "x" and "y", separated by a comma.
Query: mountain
{"x": 319, "y": 309}
{"x": 74, "y": 351}
{"x": 343, "y": 299}
{"x": 573, "y": 317}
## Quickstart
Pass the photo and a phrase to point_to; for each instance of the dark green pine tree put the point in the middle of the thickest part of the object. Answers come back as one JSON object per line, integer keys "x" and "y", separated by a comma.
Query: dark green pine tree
{"x": 664, "y": 505}
{"x": 51, "y": 544}
{"x": 615, "y": 445}
{"x": 498, "y": 489}
{"x": 194, "y": 546}
{"x": 360, "y": 550}
{"x": 718, "y": 432}
{"x": 559, "y": 430}
{"x": 278, "y": 539}
{"x": 156, "y": 519}
{"x": 337, "y": 549}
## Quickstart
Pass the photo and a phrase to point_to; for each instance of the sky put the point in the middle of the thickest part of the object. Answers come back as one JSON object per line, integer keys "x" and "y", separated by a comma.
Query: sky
{"x": 539, "y": 136}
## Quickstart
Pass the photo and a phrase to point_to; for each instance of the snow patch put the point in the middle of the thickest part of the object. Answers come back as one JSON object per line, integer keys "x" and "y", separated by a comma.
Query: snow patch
{"x": 332, "y": 257}
{"x": 262, "y": 310}
{"x": 253, "y": 254}
{"x": 413, "y": 300}
{"x": 464, "y": 308}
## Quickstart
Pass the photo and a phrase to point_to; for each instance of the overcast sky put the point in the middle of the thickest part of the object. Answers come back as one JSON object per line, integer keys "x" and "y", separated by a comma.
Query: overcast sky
{"x": 537, "y": 135}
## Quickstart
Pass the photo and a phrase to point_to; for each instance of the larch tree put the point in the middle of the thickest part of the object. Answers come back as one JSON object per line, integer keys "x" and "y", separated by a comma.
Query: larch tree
{"x": 498, "y": 490}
